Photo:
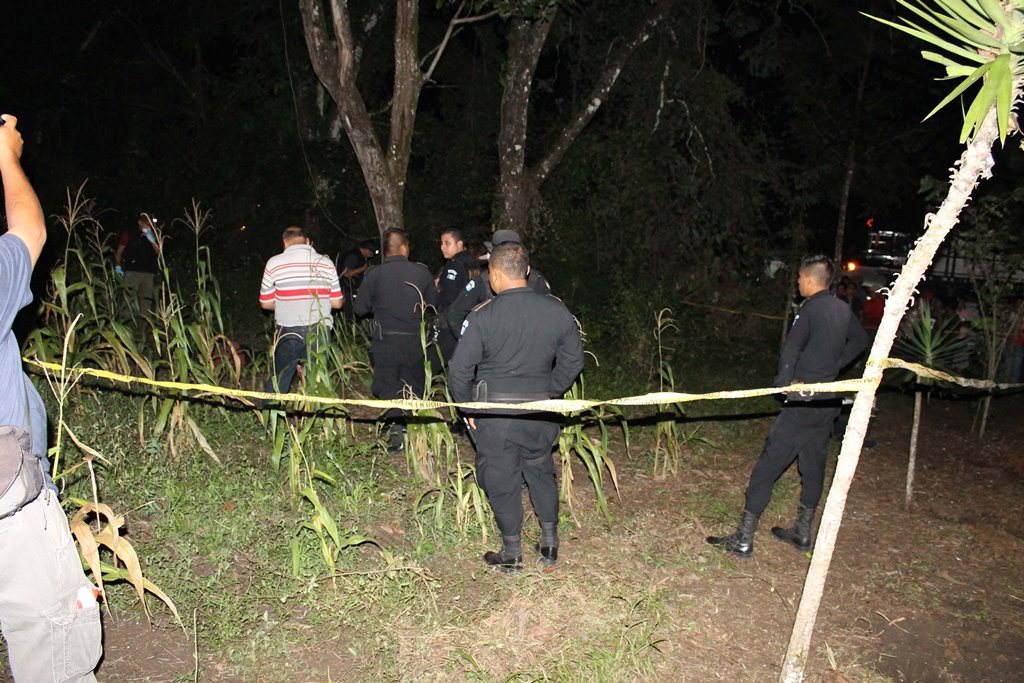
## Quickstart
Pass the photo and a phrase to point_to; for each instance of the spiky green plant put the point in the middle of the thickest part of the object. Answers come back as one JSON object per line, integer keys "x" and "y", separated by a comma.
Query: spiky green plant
{"x": 981, "y": 41}
{"x": 933, "y": 344}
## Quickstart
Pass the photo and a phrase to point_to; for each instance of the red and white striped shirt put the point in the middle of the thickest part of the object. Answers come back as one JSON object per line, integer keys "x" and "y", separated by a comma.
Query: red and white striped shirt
{"x": 302, "y": 283}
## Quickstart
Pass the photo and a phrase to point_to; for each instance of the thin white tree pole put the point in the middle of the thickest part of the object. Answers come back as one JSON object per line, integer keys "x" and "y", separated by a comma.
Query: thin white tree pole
{"x": 975, "y": 164}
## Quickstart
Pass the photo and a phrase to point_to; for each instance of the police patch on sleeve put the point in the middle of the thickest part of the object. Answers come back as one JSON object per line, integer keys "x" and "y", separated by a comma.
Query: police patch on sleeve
{"x": 452, "y": 274}
{"x": 470, "y": 285}
{"x": 465, "y": 326}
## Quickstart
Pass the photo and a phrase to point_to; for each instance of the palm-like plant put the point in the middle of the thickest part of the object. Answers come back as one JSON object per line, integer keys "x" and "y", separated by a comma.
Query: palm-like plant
{"x": 983, "y": 40}
{"x": 935, "y": 345}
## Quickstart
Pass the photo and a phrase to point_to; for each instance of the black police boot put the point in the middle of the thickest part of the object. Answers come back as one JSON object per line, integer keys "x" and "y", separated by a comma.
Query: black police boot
{"x": 509, "y": 559}
{"x": 548, "y": 546}
{"x": 396, "y": 438}
{"x": 741, "y": 541}
{"x": 798, "y": 535}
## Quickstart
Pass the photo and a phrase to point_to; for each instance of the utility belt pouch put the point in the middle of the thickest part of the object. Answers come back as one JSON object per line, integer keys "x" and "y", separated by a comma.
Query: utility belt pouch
{"x": 21, "y": 473}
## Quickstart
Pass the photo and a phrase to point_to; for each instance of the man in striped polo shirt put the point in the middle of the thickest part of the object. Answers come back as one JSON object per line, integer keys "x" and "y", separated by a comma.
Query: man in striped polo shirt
{"x": 301, "y": 287}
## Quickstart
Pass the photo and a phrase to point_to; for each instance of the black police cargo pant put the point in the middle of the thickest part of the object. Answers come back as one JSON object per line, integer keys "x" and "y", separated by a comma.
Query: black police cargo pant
{"x": 510, "y": 450}
{"x": 397, "y": 366}
{"x": 801, "y": 432}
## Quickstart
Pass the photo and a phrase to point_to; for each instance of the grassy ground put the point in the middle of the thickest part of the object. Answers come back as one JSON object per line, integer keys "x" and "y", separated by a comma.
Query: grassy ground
{"x": 398, "y": 591}
{"x": 931, "y": 595}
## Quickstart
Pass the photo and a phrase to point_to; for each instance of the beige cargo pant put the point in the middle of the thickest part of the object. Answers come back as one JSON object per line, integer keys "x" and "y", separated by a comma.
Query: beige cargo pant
{"x": 49, "y": 638}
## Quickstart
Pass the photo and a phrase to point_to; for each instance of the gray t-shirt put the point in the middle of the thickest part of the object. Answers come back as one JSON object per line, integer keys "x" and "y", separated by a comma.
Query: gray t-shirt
{"x": 15, "y": 388}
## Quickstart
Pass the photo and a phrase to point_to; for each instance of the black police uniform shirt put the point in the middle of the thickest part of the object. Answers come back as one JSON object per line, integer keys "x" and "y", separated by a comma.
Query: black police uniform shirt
{"x": 453, "y": 278}
{"x": 478, "y": 290}
{"x": 521, "y": 343}
{"x": 824, "y": 339}
{"x": 392, "y": 293}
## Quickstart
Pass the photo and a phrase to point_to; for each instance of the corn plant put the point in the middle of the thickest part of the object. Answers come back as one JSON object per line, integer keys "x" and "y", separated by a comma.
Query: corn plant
{"x": 124, "y": 564}
{"x": 593, "y": 453}
{"x": 349, "y": 361}
{"x": 429, "y": 445}
{"x": 304, "y": 476}
{"x": 460, "y": 499}
{"x": 668, "y": 441}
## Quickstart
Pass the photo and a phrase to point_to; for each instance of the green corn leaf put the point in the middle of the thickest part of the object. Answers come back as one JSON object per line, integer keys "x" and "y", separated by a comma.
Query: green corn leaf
{"x": 354, "y": 540}
{"x": 916, "y": 31}
{"x": 323, "y": 476}
{"x": 309, "y": 493}
{"x": 958, "y": 29}
{"x": 958, "y": 90}
{"x": 966, "y": 12}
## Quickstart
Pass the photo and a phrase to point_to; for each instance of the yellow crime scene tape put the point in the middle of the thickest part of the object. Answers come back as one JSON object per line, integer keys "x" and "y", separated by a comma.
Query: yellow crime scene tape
{"x": 551, "y": 405}
{"x": 924, "y": 371}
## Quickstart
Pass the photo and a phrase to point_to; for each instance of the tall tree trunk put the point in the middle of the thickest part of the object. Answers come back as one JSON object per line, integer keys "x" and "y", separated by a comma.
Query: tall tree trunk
{"x": 518, "y": 186}
{"x": 335, "y": 64}
{"x": 844, "y": 202}
{"x": 975, "y": 163}
{"x": 408, "y": 86}
{"x": 526, "y": 39}
{"x": 851, "y": 157}
{"x": 911, "y": 460}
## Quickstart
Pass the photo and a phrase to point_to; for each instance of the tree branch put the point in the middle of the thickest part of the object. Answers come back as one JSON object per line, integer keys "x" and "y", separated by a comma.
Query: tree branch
{"x": 605, "y": 83}
{"x": 324, "y": 59}
{"x": 448, "y": 34}
{"x": 346, "y": 44}
{"x": 406, "y": 91}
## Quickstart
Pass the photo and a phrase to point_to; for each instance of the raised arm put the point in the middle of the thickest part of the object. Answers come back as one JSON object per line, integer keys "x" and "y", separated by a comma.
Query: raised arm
{"x": 24, "y": 214}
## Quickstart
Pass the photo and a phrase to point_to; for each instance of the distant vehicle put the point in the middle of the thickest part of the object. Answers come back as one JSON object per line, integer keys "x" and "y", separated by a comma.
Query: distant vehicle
{"x": 881, "y": 262}
{"x": 887, "y": 253}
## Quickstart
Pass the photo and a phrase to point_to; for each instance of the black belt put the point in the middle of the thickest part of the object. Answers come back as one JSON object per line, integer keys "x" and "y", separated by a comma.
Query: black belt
{"x": 502, "y": 397}
{"x": 483, "y": 394}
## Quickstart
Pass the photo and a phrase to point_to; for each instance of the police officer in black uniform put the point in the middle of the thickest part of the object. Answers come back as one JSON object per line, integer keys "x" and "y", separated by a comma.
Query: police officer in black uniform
{"x": 459, "y": 268}
{"x": 478, "y": 289}
{"x": 395, "y": 293}
{"x": 351, "y": 268}
{"x": 518, "y": 346}
{"x": 824, "y": 338}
